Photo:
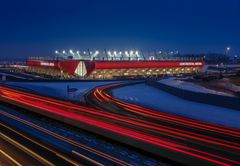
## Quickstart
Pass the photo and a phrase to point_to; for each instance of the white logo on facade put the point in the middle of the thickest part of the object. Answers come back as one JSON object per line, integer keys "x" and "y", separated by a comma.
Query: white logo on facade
{"x": 47, "y": 64}
{"x": 190, "y": 64}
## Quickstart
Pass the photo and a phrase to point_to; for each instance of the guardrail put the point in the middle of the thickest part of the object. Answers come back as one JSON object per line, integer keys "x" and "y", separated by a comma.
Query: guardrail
{"x": 206, "y": 98}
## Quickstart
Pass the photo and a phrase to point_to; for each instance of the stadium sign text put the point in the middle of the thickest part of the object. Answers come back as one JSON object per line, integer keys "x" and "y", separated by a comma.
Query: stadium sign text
{"x": 190, "y": 64}
{"x": 47, "y": 64}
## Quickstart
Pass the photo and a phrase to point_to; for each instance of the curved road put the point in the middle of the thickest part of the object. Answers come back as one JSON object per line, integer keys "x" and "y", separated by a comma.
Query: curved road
{"x": 184, "y": 140}
{"x": 209, "y": 142}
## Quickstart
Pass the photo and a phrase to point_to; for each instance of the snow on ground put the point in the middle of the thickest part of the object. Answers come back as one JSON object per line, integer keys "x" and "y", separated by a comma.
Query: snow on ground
{"x": 59, "y": 89}
{"x": 190, "y": 86}
{"x": 150, "y": 97}
{"x": 230, "y": 85}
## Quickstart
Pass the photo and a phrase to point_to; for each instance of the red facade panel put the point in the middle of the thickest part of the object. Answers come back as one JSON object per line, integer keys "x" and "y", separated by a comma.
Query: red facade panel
{"x": 145, "y": 64}
{"x": 40, "y": 63}
{"x": 68, "y": 66}
{"x": 90, "y": 66}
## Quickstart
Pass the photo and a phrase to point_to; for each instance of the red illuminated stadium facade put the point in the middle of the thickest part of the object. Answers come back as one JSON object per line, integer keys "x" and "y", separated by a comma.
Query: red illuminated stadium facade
{"x": 94, "y": 69}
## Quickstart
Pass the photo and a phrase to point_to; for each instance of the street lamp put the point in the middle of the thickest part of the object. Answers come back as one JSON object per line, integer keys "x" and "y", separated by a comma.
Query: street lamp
{"x": 227, "y": 50}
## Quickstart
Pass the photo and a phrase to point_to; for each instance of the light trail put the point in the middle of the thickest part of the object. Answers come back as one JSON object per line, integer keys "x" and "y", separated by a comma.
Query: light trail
{"x": 87, "y": 158}
{"x": 10, "y": 158}
{"x": 67, "y": 140}
{"x": 43, "y": 146}
{"x": 131, "y": 127}
{"x": 27, "y": 150}
{"x": 167, "y": 117}
{"x": 161, "y": 129}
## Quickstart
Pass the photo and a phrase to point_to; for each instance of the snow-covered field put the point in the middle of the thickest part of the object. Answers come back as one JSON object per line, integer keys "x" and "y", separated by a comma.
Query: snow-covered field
{"x": 150, "y": 97}
{"x": 59, "y": 89}
{"x": 190, "y": 86}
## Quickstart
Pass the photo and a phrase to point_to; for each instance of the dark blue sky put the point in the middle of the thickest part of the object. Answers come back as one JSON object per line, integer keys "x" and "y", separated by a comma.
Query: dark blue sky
{"x": 38, "y": 27}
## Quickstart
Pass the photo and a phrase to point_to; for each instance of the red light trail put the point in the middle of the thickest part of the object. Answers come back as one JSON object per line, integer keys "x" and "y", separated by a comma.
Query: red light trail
{"x": 173, "y": 133}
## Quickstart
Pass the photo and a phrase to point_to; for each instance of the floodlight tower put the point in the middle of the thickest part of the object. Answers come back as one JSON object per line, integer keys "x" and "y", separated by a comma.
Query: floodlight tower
{"x": 61, "y": 54}
{"x": 65, "y": 53}
{"x": 142, "y": 54}
{"x": 138, "y": 55}
{"x": 89, "y": 53}
{"x": 78, "y": 54}
{"x": 72, "y": 54}
{"x": 131, "y": 55}
{"x": 121, "y": 55}
{"x": 127, "y": 54}
{"x": 95, "y": 54}
{"x": 115, "y": 54}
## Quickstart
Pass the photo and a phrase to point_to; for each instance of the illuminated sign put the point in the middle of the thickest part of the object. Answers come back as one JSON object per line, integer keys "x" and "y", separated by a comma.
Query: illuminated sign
{"x": 47, "y": 64}
{"x": 190, "y": 64}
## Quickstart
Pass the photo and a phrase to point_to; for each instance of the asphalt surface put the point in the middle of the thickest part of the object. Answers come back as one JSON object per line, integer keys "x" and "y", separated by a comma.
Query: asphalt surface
{"x": 11, "y": 155}
{"x": 28, "y": 151}
{"x": 69, "y": 139}
{"x": 62, "y": 147}
{"x": 207, "y": 142}
{"x": 184, "y": 140}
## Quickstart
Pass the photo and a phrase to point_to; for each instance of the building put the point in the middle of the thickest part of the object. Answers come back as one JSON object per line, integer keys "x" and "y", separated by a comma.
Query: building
{"x": 109, "y": 69}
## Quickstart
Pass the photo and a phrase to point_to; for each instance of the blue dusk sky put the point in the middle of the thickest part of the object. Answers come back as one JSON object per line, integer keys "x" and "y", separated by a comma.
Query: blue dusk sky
{"x": 38, "y": 27}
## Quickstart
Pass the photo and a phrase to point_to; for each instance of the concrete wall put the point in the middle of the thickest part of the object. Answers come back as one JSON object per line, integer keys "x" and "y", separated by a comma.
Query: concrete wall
{"x": 212, "y": 99}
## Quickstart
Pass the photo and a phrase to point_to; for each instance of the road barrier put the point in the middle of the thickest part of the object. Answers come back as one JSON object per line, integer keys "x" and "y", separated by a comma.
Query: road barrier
{"x": 206, "y": 98}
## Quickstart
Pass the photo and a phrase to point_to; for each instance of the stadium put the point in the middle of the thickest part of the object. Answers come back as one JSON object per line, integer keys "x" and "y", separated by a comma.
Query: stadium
{"x": 114, "y": 64}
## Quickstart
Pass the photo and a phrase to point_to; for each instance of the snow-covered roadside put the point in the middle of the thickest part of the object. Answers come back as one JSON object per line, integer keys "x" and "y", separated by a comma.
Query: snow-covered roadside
{"x": 150, "y": 97}
{"x": 59, "y": 89}
{"x": 230, "y": 85}
{"x": 190, "y": 86}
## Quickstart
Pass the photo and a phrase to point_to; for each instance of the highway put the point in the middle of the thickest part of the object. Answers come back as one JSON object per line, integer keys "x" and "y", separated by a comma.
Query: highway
{"x": 11, "y": 155}
{"x": 70, "y": 151}
{"x": 31, "y": 151}
{"x": 203, "y": 140}
{"x": 183, "y": 140}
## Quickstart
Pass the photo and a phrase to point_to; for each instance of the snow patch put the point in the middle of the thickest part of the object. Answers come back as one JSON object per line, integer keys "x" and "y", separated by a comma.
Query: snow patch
{"x": 59, "y": 89}
{"x": 159, "y": 100}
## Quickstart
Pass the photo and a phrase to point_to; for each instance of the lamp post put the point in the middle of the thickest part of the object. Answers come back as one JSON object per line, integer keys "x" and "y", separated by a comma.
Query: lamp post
{"x": 227, "y": 50}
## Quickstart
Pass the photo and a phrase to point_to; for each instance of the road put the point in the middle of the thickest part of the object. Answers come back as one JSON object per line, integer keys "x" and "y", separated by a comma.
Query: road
{"x": 21, "y": 149}
{"x": 184, "y": 140}
{"x": 75, "y": 152}
{"x": 11, "y": 155}
{"x": 217, "y": 144}
{"x": 18, "y": 75}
